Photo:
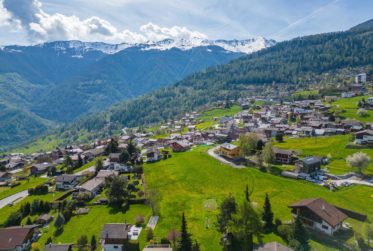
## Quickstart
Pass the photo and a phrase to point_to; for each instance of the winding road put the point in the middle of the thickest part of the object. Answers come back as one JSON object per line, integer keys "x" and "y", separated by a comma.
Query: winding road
{"x": 13, "y": 198}
{"x": 212, "y": 153}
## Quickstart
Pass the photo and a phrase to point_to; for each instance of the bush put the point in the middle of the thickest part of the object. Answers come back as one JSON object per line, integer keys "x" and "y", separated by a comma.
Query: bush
{"x": 38, "y": 190}
{"x": 285, "y": 232}
{"x": 149, "y": 234}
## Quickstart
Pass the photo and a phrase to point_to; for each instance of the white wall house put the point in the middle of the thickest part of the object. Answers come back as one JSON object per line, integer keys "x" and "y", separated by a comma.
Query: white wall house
{"x": 361, "y": 78}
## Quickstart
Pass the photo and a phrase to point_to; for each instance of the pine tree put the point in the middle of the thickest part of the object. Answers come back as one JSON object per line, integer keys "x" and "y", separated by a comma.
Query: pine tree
{"x": 93, "y": 243}
{"x": 247, "y": 193}
{"x": 267, "y": 216}
{"x": 99, "y": 165}
{"x": 60, "y": 220}
{"x": 196, "y": 246}
{"x": 227, "y": 208}
{"x": 185, "y": 243}
{"x": 300, "y": 234}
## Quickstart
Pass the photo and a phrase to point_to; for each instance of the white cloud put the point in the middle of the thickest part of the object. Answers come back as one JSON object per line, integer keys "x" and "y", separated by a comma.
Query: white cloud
{"x": 4, "y": 15}
{"x": 41, "y": 26}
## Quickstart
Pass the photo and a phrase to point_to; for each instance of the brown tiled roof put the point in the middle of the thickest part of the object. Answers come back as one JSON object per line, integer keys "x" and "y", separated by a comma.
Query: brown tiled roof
{"x": 323, "y": 209}
{"x": 12, "y": 237}
{"x": 282, "y": 151}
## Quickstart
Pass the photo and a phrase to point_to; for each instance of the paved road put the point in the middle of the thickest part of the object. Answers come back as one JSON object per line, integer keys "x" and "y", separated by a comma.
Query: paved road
{"x": 212, "y": 153}
{"x": 15, "y": 197}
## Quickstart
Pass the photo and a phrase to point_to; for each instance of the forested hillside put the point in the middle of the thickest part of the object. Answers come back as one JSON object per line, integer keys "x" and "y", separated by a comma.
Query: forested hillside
{"x": 292, "y": 62}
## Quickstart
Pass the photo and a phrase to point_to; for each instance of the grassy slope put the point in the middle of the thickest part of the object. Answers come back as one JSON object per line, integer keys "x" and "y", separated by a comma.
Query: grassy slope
{"x": 322, "y": 146}
{"x": 188, "y": 179}
{"x": 25, "y": 184}
{"x": 350, "y": 107}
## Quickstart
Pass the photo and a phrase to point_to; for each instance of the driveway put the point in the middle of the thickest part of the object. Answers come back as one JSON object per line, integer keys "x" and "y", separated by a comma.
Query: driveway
{"x": 212, "y": 153}
{"x": 13, "y": 198}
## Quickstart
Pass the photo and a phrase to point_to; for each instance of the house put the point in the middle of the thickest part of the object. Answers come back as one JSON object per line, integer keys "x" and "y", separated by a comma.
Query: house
{"x": 58, "y": 247}
{"x": 230, "y": 151}
{"x": 152, "y": 155}
{"x": 361, "y": 78}
{"x": 42, "y": 168}
{"x": 114, "y": 157}
{"x": 114, "y": 236}
{"x": 44, "y": 219}
{"x": 364, "y": 137}
{"x": 158, "y": 247}
{"x": 370, "y": 101}
{"x": 272, "y": 246}
{"x": 319, "y": 215}
{"x": 5, "y": 176}
{"x": 66, "y": 181}
{"x": 284, "y": 156}
{"x": 308, "y": 165}
{"x": 12, "y": 165}
{"x": 180, "y": 146}
{"x": 347, "y": 94}
{"x": 91, "y": 187}
{"x": 17, "y": 238}
{"x": 103, "y": 174}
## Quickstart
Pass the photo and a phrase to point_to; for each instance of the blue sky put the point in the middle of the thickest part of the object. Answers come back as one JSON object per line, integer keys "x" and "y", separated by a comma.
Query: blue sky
{"x": 34, "y": 21}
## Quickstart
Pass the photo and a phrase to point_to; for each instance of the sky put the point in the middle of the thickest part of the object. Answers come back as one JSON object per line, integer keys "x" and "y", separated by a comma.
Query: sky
{"x": 135, "y": 21}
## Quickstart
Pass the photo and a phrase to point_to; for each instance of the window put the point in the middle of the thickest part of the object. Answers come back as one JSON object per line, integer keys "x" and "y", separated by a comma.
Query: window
{"x": 325, "y": 227}
{"x": 115, "y": 247}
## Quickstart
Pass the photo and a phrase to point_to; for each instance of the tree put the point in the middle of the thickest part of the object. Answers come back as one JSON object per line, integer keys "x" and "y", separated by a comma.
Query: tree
{"x": 49, "y": 240}
{"x": 112, "y": 146}
{"x": 248, "y": 193}
{"x": 58, "y": 223}
{"x": 298, "y": 120}
{"x": 68, "y": 162}
{"x": 267, "y": 216}
{"x": 93, "y": 243}
{"x": 358, "y": 161}
{"x": 300, "y": 234}
{"x": 369, "y": 233}
{"x": 117, "y": 193}
{"x": 14, "y": 219}
{"x": 185, "y": 243}
{"x": 82, "y": 242}
{"x": 268, "y": 154}
{"x": 196, "y": 246}
{"x": 149, "y": 234}
{"x": 246, "y": 224}
{"x": 362, "y": 112}
{"x": 172, "y": 236}
{"x": 124, "y": 157}
{"x": 248, "y": 143}
{"x": 99, "y": 165}
{"x": 227, "y": 209}
{"x": 79, "y": 163}
{"x": 279, "y": 137}
{"x": 131, "y": 148}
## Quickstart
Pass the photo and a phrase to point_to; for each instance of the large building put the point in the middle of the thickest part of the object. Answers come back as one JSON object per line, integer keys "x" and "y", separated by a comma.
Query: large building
{"x": 319, "y": 215}
{"x": 17, "y": 238}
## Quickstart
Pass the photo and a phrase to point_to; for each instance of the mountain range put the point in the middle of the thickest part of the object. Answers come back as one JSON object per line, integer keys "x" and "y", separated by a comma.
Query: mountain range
{"x": 53, "y": 83}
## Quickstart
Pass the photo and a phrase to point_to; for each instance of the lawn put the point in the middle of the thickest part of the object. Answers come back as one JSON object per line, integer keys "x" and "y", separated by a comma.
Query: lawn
{"x": 93, "y": 222}
{"x": 25, "y": 184}
{"x": 85, "y": 166}
{"x": 350, "y": 107}
{"x": 335, "y": 146}
{"x": 46, "y": 143}
{"x": 188, "y": 181}
{"x": 208, "y": 116}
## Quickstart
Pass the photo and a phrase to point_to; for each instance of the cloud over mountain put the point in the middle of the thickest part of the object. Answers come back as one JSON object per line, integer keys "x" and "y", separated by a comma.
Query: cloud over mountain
{"x": 41, "y": 26}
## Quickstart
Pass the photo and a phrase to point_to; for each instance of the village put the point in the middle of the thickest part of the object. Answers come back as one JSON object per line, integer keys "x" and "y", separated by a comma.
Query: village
{"x": 264, "y": 133}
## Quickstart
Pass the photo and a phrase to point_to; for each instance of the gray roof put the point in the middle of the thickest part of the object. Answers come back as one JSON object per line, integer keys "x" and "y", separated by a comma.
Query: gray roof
{"x": 57, "y": 247}
{"x": 115, "y": 231}
{"x": 66, "y": 178}
{"x": 272, "y": 246}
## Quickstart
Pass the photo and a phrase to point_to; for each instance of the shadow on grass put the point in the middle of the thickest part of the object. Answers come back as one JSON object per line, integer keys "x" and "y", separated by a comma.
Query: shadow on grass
{"x": 337, "y": 241}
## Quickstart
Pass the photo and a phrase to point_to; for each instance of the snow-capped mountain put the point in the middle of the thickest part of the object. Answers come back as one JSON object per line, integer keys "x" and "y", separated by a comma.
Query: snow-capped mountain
{"x": 79, "y": 49}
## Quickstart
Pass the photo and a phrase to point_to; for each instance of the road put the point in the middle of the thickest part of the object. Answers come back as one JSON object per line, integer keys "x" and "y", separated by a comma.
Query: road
{"x": 212, "y": 153}
{"x": 15, "y": 197}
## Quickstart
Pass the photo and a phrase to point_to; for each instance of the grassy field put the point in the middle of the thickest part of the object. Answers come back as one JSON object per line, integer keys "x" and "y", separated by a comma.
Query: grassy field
{"x": 46, "y": 143}
{"x": 350, "y": 107}
{"x": 208, "y": 116}
{"x": 25, "y": 184}
{"x": 187, "y": 181}
{"x": 335, "y": 146}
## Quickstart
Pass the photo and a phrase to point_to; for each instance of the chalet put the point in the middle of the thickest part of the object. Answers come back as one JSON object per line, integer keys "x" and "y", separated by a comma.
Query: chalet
{"x": 114, "y": 157}
{"x": 370, "y": 101}
{"x": 91, "y": 187}
{"x": 152, "y": 155}
{"x": 352, "y": 125}
{"x": 319, "y": 215}
{"x": 180, "y": 146}
{"x": 230, "y": 151}
{"x": 44, "y": 219}
{"x": 103, "y": 174}
{"x": 272, "y": 246}
{"x": 5, "y": 176}
{"x": 58, "y": 247}
{"x": 347, "y": 94}
{"x": 114, "y": 236}
{"x": 42, "y": 168}
{"x": 17, "y": 238}
{"x": 284, "y": 156}
{"x": 361, "y": 78}
{"x": 12, "y": 165}
{"x": 66, "y": 181}
{"x": 364, "y": 137}
{"x": 308, "y": 165}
